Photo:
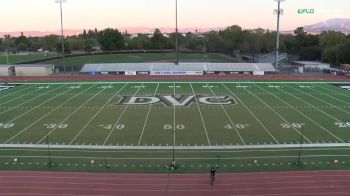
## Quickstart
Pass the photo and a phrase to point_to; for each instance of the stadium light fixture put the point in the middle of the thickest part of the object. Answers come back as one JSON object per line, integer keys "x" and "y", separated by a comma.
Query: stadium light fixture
{"x": 62, "y": 35}
{"x": 176, "y": 35}
{"x": 278, "y": 12}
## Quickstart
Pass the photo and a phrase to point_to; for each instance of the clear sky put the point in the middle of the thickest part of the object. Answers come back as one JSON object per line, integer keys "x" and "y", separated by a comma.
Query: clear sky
{"x": 43, "y": 15}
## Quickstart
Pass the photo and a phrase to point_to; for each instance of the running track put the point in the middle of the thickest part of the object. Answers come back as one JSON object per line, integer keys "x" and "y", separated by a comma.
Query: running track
{"x": 279, "y": 183}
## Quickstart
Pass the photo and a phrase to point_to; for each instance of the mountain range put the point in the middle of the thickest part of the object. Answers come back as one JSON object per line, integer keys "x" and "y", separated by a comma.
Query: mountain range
{"x": 336, "y": 24}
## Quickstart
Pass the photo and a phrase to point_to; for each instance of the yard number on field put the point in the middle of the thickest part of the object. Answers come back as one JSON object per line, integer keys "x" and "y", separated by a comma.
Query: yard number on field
{"x": 237, "y": 126}
{"x": 170, "y": 127}
{"x": 56, "y": 126}
{"x": 6, "y": 125}
{"x": 343, "y": 124}
{"x": 292, "y": 125}
{"x": 110, "y": 126}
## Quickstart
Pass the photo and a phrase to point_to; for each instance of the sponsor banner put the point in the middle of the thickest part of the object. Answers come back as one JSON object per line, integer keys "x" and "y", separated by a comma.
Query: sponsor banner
{"x": 177, "y": 73}
{"x": 4, "y": 86}
{"x": 180, "y": 100}
{"x": 130, "y": 73}
{"x": 343, "y": 86}
{"x": 258, "y": 73}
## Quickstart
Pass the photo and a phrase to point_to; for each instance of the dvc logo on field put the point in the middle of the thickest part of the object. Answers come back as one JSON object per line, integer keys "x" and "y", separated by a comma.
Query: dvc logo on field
{"x": 306, "y": 11}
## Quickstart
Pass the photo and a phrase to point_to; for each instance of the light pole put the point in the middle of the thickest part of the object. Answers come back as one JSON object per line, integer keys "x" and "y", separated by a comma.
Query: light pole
{"x": 176, "y": 35}
{"x": 62, "y": 35}
{"x": 301, "y": 142}
{"x": 48, "y": 148}
{"x": 278, "y": 12}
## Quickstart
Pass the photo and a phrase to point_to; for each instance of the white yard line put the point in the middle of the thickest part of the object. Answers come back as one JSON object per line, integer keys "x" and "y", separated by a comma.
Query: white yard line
{"x": 70, "y": 115}
{"x": 147, "y": 116}
{"x": 307, "y": 117}
{"x": 255, "y": 117}
{"x": 96, "y": 114}
{"x": 200, "y": 113}
{"x": 120, "y": 116}
{"x": 278, "y": 114}
{"x": 47, "y": 114}
{"x": 194, "y": 82}
{"x": 336, "y": 92}
{"x": 15, "y": 92}
{"x": 19, "y": 116}
{"x": 36, "y": 97}
{"x": 174, "y": 125}
{"x": 13, "y": 99}
{"x": 323, "y": 93}
{"x": 226, "y": 147}
{"x": 322, "y": 99}
{"x": 228, "y": 116}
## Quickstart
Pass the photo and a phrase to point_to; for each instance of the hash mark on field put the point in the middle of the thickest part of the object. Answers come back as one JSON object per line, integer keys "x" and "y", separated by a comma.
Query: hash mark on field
{"x": 256, "y": 118}
{"x": 120, "y": 117}
{"x": 148, "y": 112}
{"x": 229, "y": 118}
{"x": 71, "y": 114}
{"x": 96, "y": 114}
{"x": 202, "y": 119}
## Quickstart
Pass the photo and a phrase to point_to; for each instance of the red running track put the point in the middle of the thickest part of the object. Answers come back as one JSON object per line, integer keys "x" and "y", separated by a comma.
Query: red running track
{"x": 278, "y": 183}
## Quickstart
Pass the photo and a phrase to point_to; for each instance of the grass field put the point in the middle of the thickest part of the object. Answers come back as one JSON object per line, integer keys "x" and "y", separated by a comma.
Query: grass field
{"x": 227, "y": 124}
{"x": 78, "y": 62}
{"x": 13, "y": 58}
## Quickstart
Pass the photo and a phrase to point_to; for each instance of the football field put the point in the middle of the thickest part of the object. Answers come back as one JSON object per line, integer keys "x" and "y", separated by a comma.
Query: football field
{"x": 133, "y": 122}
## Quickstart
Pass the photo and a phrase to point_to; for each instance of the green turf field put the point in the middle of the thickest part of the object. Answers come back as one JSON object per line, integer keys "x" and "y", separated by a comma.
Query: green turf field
{"x": 78, "y": 62}
{"x": 14, "y": 58}
{"x": 228, "y": 124}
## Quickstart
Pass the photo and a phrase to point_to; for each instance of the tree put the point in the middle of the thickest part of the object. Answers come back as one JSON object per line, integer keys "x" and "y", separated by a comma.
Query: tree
{"x": 67, "y": 49}
{"x": 232, "y": 38}
{"x": 214, "y": 41}
{"x": 22, "y": 43}
{"x": 159, "y": 41}
{"x": 76, "y": 44}
{"x": 331, "y": 38}
{"x": 111, "y": 40}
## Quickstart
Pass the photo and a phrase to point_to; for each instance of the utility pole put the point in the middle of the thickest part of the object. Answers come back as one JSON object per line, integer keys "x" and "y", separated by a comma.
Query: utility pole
{"x": 301, "y": 142}
{"x": 48, "y": 148}
{"x": 176, "y": 35}
{"x": 278, "y": 12}
{"x": 62, "y": 35}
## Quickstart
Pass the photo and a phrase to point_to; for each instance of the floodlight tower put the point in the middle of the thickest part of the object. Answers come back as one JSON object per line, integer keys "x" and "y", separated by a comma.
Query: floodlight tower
{"x": 176, "y": 35}
{"x": 278, "y": 12}
{"x": 62, "y": 35}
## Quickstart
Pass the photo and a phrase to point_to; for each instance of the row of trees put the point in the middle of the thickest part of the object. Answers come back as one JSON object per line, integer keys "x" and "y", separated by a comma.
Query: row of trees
{"x": 330, "y": 46}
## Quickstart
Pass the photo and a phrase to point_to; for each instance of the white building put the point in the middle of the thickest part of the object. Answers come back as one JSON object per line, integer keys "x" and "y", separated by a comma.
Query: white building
{"x": 27, "y": 70}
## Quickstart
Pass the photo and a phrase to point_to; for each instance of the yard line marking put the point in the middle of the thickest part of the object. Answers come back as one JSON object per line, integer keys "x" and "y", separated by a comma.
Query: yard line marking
{"x": 120, "y": 117}
{"x": 335, "y": 92}
{"x": 256, "y": 118}
{"x": 322, "y": 99}
{"x": 228, "y": 116}
{"x": 307, "y": 117}
{"x": 174, "y": 126}
{"x": 96, "y": 114}
{"x": 36, "y": 97}
{"x": 6, "y": 95}
{"x": 200, "y": 113}
{"x": 71, "y": 114}
{"x": 268, "y": 147}
{"x": 19, "y": 116}
{"x": 149, "y": 111}
{"x": 314, "y": 106}
{"x": 278, "y": 114}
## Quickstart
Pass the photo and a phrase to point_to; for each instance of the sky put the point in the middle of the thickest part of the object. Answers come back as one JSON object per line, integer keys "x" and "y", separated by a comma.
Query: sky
{"x": 43, "y": 15}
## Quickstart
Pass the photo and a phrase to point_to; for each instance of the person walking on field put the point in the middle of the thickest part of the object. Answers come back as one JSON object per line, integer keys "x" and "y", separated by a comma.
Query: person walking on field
{"x": 212, "y": 176}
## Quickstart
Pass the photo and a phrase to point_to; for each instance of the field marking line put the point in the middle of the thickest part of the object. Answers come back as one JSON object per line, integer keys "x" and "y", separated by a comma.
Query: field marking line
{"x": 228, "y": 116}
{"x": 194, "y": 82}
{"x": 174, "y": 125}
{"x": 96, "y": 114}
{"x": 334, "y": 92}
{"x": 19, "y": 116}
{"x": 201, "y": 115}
{"x": 47, "y": 114}
{"x": 147, "y": 116}
{"x": 322, "y": 99}
{"x": 307, "y": 117}
{"x": 121, "y": 115}
{"x": 256, "y": 118}
{"x": 70, "y": 115}
{"x": 168, "y": 148}
{"x": 36, "y": 97}
{"x": 16, "y": 91}
{"x": 15, "y": 98}
{"x": 277, "y": 113}
{"x": 307, "y": 103}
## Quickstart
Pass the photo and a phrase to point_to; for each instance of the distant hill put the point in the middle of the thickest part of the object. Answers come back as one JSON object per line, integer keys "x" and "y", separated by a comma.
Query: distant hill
{"x": 336, "y": 24}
